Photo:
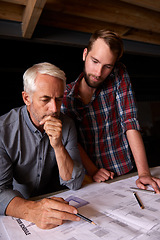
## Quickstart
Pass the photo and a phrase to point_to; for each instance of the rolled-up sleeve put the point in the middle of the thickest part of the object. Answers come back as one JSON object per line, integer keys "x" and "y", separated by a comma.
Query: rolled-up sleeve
{"x": 126, "y": 102}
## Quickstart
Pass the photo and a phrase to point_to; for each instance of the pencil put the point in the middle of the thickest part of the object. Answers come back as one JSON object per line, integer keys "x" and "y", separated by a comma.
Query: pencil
{"x": 85, "y": 218}
{"x": 143, "y": 190}
{"x": 138, "y": 200}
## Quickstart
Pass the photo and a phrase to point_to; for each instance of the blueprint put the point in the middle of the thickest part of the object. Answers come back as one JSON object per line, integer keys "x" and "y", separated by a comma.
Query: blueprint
{"x": 112, "y": 207}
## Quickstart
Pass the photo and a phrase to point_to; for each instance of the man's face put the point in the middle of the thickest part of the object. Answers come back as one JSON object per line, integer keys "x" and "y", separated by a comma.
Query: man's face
{"x": 99, "y": 63}
{"x": 47, "y": 99}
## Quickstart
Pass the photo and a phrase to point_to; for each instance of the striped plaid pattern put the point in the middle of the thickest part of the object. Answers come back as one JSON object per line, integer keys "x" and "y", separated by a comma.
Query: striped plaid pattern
{"x": 103, "y": 122}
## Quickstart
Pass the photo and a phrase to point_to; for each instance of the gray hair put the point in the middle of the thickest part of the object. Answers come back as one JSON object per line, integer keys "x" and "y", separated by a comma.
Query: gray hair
{"x": 30, "y": 75}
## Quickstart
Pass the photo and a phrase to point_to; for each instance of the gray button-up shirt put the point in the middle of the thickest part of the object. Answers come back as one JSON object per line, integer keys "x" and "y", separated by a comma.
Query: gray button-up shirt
{"x": 28, "y": 165}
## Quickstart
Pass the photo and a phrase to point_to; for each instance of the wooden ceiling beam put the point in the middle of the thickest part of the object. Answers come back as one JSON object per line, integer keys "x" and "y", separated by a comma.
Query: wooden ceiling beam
{"x": 20, "y": 2}
{"x": 65, "y": 21}
{"x": 82, "y": 24}
{"x": 149, "y": 4}
{"x": 112, "y": 11}
{"x": 142, "y": 36}
{"x": 136, "y": 20}
{"x": 31, "y": 16}
{"x": 11, "y": 12}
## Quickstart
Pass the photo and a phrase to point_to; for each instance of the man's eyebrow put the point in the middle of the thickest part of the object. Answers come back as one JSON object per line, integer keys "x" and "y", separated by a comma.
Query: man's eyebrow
{"x": 94, "y": 58}
{"x": 110, "y": 65}
{"x": 45, "y": 96}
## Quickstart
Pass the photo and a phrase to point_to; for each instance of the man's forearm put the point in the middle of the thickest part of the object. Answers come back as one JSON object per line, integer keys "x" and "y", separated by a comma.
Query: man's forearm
{"x": 64, "y": 162}
{"x": 19, "y": 208}
{"x": 138, "y": 150}
{"x": 46, "y": 213}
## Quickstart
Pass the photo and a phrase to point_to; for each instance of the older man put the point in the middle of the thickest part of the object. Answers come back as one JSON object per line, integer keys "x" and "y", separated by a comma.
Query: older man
{"x": 38, "y": 151}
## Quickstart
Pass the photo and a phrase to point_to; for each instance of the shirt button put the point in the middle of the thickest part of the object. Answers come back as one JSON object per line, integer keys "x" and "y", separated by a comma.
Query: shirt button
{"x": 38, "y": 175}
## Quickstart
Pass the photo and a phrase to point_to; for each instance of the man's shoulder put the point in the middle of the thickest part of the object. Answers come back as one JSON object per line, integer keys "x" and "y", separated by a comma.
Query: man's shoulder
{"x": 11, "y": 117}
{"x": 70, "y": 85}
{"x": 119, "y": 66}
{"x": 120, "y": 73}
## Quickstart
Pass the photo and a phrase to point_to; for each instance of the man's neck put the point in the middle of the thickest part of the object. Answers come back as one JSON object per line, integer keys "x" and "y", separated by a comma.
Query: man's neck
{"x": 85, "y": 92}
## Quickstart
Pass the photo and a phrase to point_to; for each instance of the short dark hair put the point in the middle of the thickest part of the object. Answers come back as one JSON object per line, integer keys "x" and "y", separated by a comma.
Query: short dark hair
{"x": 112, "y": 39}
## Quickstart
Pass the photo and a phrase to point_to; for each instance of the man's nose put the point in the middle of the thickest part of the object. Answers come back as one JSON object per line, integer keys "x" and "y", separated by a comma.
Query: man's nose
{"x": 98, "y": 70}
{"x": 53, "y": 105}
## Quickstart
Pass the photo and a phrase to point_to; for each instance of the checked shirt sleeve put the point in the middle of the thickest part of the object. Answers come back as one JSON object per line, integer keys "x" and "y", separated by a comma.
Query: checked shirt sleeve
{"x": 126, "y": 102}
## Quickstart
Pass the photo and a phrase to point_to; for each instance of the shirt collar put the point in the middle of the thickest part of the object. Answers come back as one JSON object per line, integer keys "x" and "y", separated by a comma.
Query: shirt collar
{"x": 74, "y": 92}
{"x": 75, "y": 87}
{"x": 28, "y": 120}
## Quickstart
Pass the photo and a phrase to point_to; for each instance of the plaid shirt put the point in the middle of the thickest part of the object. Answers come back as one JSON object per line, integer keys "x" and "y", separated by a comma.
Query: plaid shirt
{"x": 103, "y": 122}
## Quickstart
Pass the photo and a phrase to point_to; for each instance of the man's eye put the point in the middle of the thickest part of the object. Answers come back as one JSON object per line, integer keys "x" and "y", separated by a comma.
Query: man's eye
{"x": 108, "y": 66}
{"x": 95, "y": 61}
{"x": 45, "y": 100}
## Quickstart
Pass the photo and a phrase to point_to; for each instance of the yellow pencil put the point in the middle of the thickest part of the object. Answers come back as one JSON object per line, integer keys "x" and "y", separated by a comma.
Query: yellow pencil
{"x": 138, "y": 200}
{"x": 85, "y": 218}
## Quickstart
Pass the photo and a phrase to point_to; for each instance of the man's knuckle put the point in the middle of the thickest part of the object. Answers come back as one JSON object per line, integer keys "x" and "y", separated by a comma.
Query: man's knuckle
{"x": 60, "y": 222}
{"x": 45, "y": 201}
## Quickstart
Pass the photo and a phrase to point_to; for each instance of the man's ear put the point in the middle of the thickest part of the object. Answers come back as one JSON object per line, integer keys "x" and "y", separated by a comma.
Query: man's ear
{"x": 85, "y": 54}
{"x": 26, "y": 98}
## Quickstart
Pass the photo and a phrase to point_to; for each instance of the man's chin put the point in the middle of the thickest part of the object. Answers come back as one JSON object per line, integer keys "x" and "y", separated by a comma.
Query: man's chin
{"x": 93, "y": 85}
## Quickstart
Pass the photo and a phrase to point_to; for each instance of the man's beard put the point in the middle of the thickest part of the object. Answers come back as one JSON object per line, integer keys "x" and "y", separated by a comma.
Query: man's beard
{"x": 86, "y": 78}
{"x": 55, "y": 115}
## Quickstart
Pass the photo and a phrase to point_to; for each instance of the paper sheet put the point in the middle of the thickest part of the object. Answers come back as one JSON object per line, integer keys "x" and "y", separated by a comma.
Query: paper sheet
{"x": 111, "y": 206}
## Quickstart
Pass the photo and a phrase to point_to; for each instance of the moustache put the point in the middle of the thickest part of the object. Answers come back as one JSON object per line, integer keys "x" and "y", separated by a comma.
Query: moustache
{"x": 55, "y": 115}
{"x": 98, "y": 78}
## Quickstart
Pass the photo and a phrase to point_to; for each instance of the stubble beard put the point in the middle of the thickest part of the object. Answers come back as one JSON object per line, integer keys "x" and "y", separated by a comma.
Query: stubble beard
{"x": 88, "y": 82}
